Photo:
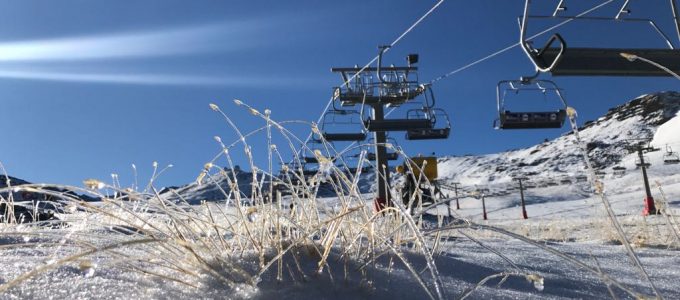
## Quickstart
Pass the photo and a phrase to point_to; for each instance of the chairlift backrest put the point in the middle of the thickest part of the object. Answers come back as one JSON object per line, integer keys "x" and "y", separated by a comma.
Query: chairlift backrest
{"x": 441, "y": 124}
{"x": 342, "y": 125}
{"x": 555, "y": 57}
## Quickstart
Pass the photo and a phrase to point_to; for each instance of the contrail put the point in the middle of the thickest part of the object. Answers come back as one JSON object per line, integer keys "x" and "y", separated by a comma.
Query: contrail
{"x": 158, "y": 79}
{"x": 194, "y": 39}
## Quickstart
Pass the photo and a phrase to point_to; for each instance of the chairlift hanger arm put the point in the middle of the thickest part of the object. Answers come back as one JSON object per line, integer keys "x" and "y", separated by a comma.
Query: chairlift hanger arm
{"x": 528, "y": 49}
{"x": 560, "y": 7}
{"x": 651, "y": 23}
{"x": 380, "y": 55}
{"x": 623, "y": 10}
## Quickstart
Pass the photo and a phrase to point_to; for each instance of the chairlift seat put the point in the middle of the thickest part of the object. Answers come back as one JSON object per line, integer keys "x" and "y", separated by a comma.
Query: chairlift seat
{"x": 344, "y": 137}
{"x": 646, "y": 163}
{"x": 672, "y": 161}
{"x": 390, "y": 156}
{"x": 608, "y": 61}
{"x": 397, "y": 124}
{"x": 532, "y": 120}
{"x": 312, "y": 159}
{"x": 428, "y": 134}
{"x": 386, "y": 95}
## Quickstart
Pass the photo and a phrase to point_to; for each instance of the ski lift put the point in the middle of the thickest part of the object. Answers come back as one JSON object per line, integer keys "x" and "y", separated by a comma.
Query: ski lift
{"x": 558, "y": 59}
{"x": 394, "y": 85}
{"x": 337, "y": 122}
{"x": 390, "y": 155}
{"x": 619, "y": 171}
{"x": 600, "y": 174}
{"x": 528, "y": 119}
{"x": 639, "y": 163}
{"x": 441, "y": 124}
{"x": 310, "y": 157}
{"x": 670, "y": 157}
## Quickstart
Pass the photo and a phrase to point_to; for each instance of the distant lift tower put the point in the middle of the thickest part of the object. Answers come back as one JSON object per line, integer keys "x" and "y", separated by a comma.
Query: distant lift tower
{"x": 641, "y": 147}
{"x": 386, "y": 87}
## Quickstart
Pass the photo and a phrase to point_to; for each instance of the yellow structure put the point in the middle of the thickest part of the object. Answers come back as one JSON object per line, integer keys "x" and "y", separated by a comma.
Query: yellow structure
{"x": 428, "y": 164}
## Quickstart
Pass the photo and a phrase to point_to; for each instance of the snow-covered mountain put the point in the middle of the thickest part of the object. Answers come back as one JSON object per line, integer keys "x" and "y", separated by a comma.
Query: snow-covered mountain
{"x": 215, "y": 185}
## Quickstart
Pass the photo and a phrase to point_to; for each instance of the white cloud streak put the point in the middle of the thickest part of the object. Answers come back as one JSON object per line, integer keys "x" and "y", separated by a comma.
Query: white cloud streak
{"x": 187, "y": 40}
{"x": 156, "y": 79}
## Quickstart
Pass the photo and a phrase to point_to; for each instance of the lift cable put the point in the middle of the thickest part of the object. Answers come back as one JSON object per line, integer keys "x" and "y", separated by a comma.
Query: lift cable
{"x": 397, "y": 40}
{"x": 501, "y": 51}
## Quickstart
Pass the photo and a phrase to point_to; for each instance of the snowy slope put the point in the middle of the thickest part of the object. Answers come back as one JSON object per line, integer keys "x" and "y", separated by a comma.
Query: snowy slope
{"x": 559, "y": 160}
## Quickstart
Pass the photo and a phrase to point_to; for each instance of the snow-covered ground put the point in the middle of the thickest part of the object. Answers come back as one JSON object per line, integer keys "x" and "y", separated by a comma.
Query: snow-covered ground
{"x": 572, "y": 250}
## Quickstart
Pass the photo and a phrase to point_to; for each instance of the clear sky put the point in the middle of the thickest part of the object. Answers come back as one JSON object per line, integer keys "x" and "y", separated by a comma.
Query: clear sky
{"x": 90, "y": 87}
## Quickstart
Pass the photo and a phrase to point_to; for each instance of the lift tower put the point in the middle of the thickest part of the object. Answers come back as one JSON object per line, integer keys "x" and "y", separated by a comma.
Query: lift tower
{"x": 379, "y": 88}
{"x": 642, "y": 147}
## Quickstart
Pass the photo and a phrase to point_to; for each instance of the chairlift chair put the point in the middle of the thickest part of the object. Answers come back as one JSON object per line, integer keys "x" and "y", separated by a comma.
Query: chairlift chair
{"x": 335, "y": 123}
{"x": 558, "y": 59}
{"x": 394, "y": 85}
{"x": 619, "y": 171}
{"x": 441, "y": 123}
{"x": 309, "y": 157}
{"x": 670, "y": 157}
{"x": 397, "y": 124}
{"x": 390, "y": 155}
{"x": 528, "y": 119}
{"x": 639, "y": 164}
{"x": 438, "y": 116}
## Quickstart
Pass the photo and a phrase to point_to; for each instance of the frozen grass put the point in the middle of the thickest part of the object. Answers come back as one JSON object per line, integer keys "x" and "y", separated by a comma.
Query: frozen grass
{"x": 246, "y": 242}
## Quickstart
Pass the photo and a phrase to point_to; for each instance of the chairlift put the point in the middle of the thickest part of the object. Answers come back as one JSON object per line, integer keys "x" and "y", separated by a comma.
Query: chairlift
{"x": 639, "y": 163}
{"x": 393, "y": 86}
{"x": 619, "y": 171}
{"x": 349, "y": 162}
{"x": 528, "y": 119}
{"x": 310, "y": 157}
{"x": 390, "y": 155}
{"x": 670, "y": 157}
{"x": 558, "y": 59}
{"x": 337, "y": 122}
{"x": 441, "y": 123}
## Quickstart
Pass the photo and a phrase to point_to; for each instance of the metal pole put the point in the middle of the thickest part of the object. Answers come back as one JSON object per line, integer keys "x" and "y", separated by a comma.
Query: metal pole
{"x": 382, "y": 168}
{"x": 455, "y": 190}
{"x": 484, "y": 206}
{"x": 674, "y": 9}
{"x": 650, "y": 208}
{"x": 521, "y": 194}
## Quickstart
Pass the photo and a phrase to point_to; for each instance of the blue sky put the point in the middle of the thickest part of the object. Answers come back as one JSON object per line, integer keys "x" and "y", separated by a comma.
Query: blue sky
{"x": 90, "y": 87}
